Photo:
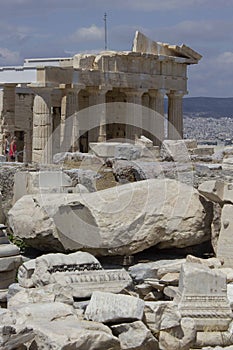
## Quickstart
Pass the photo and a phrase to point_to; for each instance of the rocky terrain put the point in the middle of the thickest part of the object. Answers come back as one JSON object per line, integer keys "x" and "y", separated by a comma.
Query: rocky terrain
{"x": 121, "y": 248}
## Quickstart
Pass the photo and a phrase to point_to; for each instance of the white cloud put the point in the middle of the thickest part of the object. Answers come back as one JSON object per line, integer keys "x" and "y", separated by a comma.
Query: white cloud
{"x": 8, "y": 57}
{"x": 225, "y": 58}
{"x": 92, "y": 33}
{"x": 199, "y": 32}
{"x": 212, "y": 76}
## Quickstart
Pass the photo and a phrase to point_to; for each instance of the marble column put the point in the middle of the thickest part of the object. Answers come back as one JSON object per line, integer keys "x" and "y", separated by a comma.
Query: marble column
{"x": 175, "y": 115}
{"x": 69, "y": 120}
{"x": 42, "y": 127}
{"x": 156, "y": 104}
{"x": 134, "y": 113}
{"x": 97, "y": 96}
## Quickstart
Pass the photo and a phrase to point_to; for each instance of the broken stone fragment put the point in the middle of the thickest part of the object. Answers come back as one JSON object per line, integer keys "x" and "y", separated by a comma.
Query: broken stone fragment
{"x": 51, "y": 293}
{"x": 81, "y": 272}
{"x": 178, "y": 338}
{"x": 74, "y": 334}
{"x": 170, "y": 279}
{"x": 155, "y": 269}
{"x": 10, "y": 260}
{"x": 212, "y": 263}
{"x": 152, "y": 314}
{"x": 154, "y": 295}
{"x": 170, "y": 291}
{"x": 110, "y": 308}
{"x": 114, "y": 221}
{"x": 135, "y": 336}
{"x": 15, "y": 337}
{"x": 224, "y": 244}
{"x": 217, "y": 191}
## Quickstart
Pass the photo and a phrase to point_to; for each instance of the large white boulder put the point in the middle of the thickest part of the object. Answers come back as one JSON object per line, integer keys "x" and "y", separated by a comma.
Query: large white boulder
{"x": 117, "y": 221}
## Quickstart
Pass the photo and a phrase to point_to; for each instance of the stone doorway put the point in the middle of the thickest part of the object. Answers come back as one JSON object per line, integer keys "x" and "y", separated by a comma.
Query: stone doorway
{"x": 20, "y": 144}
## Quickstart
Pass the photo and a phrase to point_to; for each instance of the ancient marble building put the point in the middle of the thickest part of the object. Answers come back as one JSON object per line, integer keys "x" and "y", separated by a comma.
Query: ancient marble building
{"x": 43, "y": 93}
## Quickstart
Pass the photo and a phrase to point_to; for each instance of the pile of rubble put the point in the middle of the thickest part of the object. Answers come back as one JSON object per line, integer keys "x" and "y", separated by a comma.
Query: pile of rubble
{"x": 67, "y": 299}
{"x": 72, "y": 302}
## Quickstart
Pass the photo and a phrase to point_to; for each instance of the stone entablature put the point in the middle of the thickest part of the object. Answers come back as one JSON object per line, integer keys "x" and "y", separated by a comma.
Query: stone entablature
{"x": 63, "y": 87}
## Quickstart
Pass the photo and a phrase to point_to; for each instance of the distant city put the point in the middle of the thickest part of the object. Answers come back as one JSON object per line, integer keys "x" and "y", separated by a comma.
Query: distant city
{"x": 208, "y": 119}
{"x": 209, "y": 129}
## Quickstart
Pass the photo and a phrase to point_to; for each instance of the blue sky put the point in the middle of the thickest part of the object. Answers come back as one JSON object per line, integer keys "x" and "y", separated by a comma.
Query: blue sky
{"x": 55, "y": 28}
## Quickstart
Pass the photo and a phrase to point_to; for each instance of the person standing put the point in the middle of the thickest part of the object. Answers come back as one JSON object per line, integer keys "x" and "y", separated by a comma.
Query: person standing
{"x": 13, "y": 149}
{"x": 6, "y": 147}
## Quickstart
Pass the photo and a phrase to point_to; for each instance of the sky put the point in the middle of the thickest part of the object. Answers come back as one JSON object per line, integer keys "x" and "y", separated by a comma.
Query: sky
{"x": 62, "y": 28}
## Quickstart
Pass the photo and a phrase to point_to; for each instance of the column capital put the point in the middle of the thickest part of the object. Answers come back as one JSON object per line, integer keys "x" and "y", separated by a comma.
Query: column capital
{"x": 44, "y": 92}
{"x": 157, "y": 92}
{"x": 134, "y": 92}
{"x": 176, "y": 93}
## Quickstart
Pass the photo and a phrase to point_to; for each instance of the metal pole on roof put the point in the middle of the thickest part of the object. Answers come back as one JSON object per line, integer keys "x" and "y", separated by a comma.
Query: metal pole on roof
{"x": 105, "y": 31}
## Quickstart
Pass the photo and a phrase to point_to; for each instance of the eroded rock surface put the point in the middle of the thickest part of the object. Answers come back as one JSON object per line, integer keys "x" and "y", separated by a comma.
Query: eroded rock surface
{"x": 115, "y": 221}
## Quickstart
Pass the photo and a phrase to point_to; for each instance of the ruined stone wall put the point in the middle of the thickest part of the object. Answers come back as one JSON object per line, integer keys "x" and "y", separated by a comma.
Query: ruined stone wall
{"x": 23, "y": 121}
{"x": 23, "y": 110}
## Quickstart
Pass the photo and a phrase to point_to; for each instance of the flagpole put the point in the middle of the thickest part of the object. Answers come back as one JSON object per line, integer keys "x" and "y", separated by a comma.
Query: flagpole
{"x": 105, "y": 31}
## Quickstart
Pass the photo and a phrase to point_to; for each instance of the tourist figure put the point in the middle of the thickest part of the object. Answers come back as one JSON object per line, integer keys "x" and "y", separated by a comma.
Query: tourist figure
{"x": 13, "y": 149}
{"x": 6, "y": 147}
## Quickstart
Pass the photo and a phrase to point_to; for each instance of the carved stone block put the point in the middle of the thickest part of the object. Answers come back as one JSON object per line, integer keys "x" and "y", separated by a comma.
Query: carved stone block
{"x": 108, "y": 307}
{"x": 202, "y": 295}
{"x": 80, "y": 270}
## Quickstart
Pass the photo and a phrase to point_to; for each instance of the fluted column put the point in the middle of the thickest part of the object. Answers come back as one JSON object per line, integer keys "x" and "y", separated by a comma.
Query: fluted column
{"x": 42, "y": 127}
{"x": 175, "y": 115}
{"x": 156, "y": 104}
{"x": 69, "y": 120}
{"x": 97, "y": 96}
{"x": 134, "y": 113}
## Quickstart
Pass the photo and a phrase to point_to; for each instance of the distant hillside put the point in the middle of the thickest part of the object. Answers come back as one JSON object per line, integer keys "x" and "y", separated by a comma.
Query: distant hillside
{"x": 208, "y": 106}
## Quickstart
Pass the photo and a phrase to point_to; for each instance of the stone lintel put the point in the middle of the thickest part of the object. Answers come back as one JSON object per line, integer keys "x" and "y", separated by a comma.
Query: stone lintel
{"x": 99, "y": 89}
{"x": 35, "y": 86}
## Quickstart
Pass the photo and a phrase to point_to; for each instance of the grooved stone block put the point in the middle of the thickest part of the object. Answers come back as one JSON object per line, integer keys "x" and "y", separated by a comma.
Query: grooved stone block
{"x": 109, "y": 308}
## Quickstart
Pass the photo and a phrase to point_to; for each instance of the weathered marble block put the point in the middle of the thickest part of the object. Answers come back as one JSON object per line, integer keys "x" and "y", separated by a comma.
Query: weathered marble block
{"x": 109, "y": 308}
{"x": 27, "y": 182}
{"x": 224, "y": 244}
{"x": 116, "y": 150}
{"x": 202, "y": 295}
{"x": 81, "y": 271}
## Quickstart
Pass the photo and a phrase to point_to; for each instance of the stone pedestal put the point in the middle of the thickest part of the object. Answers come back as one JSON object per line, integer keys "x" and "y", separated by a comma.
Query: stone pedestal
{"x": 202, "y": 295}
